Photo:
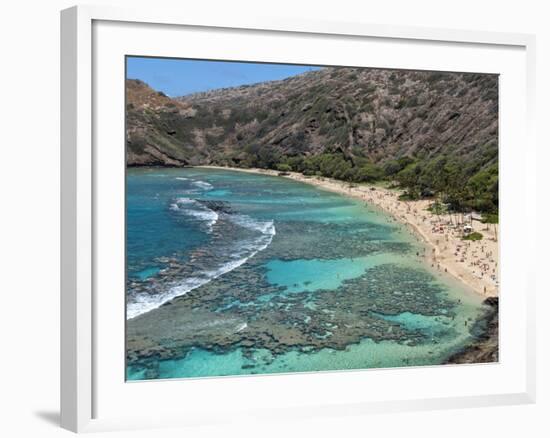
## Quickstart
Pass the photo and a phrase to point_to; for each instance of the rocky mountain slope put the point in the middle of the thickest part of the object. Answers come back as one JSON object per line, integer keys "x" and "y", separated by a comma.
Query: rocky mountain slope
{"x": 368, "y": 114}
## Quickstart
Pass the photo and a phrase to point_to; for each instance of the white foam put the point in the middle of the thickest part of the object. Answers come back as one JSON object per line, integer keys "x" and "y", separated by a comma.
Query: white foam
{"x": 241, "y": 327}
{"x": 197, "y": 210}
{"x": 209, "y": 216}
{"x": 202, "y": 185}
{"x": 244, "y": 221}
{"x": 181, "y": 178}
{"x": 243, "y": 251}
{"x": 185, "y": 201}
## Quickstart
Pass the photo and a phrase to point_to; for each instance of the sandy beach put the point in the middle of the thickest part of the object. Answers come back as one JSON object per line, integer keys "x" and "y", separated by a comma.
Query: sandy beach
{"x": 475, "y": 263}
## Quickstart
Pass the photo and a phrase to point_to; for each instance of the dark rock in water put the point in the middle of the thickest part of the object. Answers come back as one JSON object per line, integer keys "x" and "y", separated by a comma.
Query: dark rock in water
{"x": 212, "y": 316}
{"x": 485, "y": 348}
{"x": 217, "y": 206}
{"x": 243, "y": 309}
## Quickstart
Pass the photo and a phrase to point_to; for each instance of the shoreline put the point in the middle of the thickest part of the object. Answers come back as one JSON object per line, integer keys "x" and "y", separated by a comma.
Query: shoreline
{"x": 473, "y": 263}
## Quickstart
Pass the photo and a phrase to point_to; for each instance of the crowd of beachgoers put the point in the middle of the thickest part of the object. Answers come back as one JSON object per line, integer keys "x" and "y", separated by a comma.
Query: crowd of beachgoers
{"x": 474, "y": 262}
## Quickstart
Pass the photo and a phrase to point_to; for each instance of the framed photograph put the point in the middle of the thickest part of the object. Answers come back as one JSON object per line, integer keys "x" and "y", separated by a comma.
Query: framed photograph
{"x": 281, "y": 218}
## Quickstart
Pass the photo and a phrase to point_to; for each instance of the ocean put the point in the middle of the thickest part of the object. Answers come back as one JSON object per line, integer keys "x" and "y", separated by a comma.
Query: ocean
{"x": 232, "y": 273}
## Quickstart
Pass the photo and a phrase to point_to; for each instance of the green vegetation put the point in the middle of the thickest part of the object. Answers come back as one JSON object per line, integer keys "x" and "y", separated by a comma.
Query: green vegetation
{"x": 405, "y": 130}
{"x": 473, "y": 236}
{"x": 456, "y": 185}
{"x": 491, "y": 218}
{"x": 330, "y": 165}
{"x": 459, "y": 184}
{"x": 283, "y": 167}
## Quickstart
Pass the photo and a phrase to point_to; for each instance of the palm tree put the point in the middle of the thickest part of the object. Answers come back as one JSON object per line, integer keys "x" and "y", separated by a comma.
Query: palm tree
{"x": 491, "y": 218}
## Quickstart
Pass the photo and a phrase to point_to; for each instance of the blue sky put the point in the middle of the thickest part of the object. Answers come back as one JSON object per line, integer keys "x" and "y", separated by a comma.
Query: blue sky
{"x": 178, "y": 77}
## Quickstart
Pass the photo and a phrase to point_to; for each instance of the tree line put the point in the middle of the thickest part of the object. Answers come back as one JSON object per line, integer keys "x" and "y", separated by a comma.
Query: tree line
{"x": 458, "y": 183}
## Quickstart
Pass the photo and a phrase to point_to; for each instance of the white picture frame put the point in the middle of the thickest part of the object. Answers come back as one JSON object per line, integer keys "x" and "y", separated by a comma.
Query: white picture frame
{"x": 88, "y": 368}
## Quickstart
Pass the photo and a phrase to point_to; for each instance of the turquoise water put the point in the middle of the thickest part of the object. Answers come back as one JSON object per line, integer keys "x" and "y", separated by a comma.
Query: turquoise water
{"x": 232, "y": 273}
{"x": 302, "y": 275}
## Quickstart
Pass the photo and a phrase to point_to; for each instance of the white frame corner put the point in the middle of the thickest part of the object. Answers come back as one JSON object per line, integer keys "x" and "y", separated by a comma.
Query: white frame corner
{"x": 77, "y": 197}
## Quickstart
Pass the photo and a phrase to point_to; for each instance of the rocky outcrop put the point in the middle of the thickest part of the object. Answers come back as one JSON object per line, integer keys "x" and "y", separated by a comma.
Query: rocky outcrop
{"x": 485, "y": 348}
{"x": 369, "y": 113}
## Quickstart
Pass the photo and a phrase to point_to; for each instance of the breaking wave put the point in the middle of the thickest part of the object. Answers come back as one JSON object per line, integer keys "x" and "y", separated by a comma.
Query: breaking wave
{"x": 202, "y": 185}
{"x": 195, "y": 209}
{"x": 227, "y": 256}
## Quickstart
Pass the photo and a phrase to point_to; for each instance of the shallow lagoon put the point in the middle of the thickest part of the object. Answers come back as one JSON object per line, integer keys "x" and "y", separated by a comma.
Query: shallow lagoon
{"x": 232, "y": 273}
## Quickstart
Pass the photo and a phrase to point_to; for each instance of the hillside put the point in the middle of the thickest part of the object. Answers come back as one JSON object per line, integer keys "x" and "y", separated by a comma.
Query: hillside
{"x": 363, "y": 124}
